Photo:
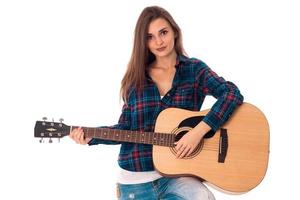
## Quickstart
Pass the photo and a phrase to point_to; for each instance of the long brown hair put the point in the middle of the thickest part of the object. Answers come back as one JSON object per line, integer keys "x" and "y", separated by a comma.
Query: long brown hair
{"x": 141, "y": 56}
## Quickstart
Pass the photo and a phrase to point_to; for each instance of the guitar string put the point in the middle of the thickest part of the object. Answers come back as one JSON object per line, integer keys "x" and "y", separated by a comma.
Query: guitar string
{"x": 211, "y": 146}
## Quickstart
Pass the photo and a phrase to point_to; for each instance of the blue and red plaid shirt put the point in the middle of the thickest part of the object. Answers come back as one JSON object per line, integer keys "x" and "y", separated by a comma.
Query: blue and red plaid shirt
{"x": 192, "y": 82}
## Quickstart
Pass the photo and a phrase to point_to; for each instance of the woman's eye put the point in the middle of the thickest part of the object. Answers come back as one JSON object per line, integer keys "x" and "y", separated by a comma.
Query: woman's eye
{"x": 164, "y": 32}
{"x": 149, "y": 37}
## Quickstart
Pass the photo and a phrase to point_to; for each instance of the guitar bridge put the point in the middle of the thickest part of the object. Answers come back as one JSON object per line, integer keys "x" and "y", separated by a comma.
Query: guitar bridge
{"x": 223, "y": 145}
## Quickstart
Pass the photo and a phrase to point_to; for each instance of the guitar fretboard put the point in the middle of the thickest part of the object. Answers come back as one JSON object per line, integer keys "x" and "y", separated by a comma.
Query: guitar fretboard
{"x": 161, "y": 139}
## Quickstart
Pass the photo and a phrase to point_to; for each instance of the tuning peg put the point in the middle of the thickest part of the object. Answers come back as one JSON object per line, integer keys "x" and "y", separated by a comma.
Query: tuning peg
{"x": 52, "y": 123}
{"x": 42, "y": 140}
{"x": 44, "y": 119}
{"x": 50, "y": 140}
{"x": 61, "y": 121}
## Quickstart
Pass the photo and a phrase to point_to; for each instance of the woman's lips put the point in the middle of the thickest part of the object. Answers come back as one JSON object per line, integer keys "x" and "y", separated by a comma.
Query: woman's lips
{"x": 161, "y": 49}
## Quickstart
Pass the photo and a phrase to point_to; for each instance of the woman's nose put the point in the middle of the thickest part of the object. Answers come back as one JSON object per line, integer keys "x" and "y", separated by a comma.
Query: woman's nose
{"x": 159, "y": 41}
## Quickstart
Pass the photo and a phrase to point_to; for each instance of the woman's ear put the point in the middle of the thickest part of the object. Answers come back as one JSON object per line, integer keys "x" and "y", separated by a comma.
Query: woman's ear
{"x": 175, "y": 34}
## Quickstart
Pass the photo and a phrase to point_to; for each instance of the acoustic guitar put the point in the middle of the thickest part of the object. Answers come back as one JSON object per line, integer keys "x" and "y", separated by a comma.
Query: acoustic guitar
{"x": 234, "y": 158}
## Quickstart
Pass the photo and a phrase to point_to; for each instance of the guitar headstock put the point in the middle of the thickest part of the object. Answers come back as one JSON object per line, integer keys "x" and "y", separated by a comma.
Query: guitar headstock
{"x": 45, "y": 129}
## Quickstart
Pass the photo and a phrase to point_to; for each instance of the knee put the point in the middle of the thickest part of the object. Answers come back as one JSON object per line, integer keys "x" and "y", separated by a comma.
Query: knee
{"x": 192, "y": 188}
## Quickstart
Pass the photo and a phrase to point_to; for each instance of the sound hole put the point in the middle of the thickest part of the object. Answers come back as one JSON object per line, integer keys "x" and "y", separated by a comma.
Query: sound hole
{"x": 179, "y": 133}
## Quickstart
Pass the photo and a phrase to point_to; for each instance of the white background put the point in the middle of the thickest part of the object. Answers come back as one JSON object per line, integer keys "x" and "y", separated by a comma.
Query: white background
{"x": 66, "y": 59}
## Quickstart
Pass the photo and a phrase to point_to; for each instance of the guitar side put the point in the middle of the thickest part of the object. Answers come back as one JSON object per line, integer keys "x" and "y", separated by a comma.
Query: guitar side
{"x": 247, "y": 155}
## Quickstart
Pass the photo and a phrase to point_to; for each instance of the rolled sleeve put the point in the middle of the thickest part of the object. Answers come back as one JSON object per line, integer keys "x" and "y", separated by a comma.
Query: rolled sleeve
{"x": 227, "y": 94}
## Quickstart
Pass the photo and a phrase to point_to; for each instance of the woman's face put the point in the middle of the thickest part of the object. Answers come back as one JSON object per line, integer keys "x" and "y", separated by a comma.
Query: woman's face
{"x": 160, "y": 38}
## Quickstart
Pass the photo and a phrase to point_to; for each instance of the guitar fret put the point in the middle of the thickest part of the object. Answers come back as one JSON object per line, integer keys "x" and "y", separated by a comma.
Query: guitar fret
{"x": 154, "y": 138}
{"x": 98, "y": 133}
{"x": 168, "y": 140}
{"x": 127, "y": 136}
{"x": 124, "y": 136}
{"x": 150, "y": 138}
{"x": 113, "y": 134}
{"x": 87, "y": 132}
{"x": 134, "y": 136}
{"x": 137, "y": 137}
{"x": 165, "y": 139}
{"x": 143, "y": 138}
{"x": 110, "y": 135}
{"x": 162, "y": 139}
{"x": 140, "y": 138}
{"x": 106, "y": 134}
{"x": 116, "y": 134}
{"x": 102, "y": 134}
{"x": 121, "y": 136}
{"x": 159, "y": 138}
{"x": 147, "y": 137}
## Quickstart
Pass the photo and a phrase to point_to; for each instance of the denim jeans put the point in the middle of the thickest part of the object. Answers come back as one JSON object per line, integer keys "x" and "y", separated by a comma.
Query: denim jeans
{"x": 183, "y": 188}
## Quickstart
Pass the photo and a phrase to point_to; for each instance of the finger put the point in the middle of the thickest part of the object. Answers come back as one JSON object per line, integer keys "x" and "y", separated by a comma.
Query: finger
{"x": 180, "y": 150}
{"x": 79, "y": 134}
{"x": 178, "y": 146}
{"x": 184, "y": 152}
{"x": 73, "y": 133}
{"x": 179, "y": 153}
{"x": 87, "y": 140}
{"x": 190, "y": 151}
{"x": 82, "y": 139}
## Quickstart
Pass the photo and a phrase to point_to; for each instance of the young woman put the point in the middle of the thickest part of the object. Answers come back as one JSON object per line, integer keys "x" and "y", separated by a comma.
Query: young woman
{"x": 160, "y": 75}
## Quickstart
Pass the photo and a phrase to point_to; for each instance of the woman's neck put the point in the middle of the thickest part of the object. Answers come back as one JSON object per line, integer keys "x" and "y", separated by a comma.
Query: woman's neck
{"x": 166, "y": 62}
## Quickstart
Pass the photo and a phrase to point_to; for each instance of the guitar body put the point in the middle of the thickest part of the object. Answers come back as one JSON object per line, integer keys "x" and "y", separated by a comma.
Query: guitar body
{"x": 247, "y": 150}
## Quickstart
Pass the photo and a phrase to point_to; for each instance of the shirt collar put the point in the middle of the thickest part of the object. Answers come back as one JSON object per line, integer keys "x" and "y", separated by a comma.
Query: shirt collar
{"x": 181, "y": 59}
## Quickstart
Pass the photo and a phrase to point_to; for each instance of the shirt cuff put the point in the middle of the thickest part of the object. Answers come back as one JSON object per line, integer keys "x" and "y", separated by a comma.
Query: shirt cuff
{"x": 212, "y": 120}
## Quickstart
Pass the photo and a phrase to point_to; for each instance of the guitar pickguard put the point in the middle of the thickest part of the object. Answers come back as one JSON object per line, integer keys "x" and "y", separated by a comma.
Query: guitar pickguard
{"x": 192, "y": 122}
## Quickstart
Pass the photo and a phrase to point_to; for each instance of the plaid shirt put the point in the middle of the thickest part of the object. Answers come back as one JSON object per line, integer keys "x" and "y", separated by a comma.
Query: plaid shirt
{"x": 192, "y": 82}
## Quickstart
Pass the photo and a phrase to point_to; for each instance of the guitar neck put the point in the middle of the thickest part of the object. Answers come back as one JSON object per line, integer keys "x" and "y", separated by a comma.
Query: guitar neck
{"x": 160, "y": 139}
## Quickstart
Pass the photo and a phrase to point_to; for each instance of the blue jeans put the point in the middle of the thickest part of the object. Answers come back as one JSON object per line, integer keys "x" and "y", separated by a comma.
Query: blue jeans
{"x": 182, "y": 188}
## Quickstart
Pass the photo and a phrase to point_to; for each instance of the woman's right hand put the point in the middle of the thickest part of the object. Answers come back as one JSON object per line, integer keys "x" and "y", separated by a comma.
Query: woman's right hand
{"x": 78, "y": 136}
